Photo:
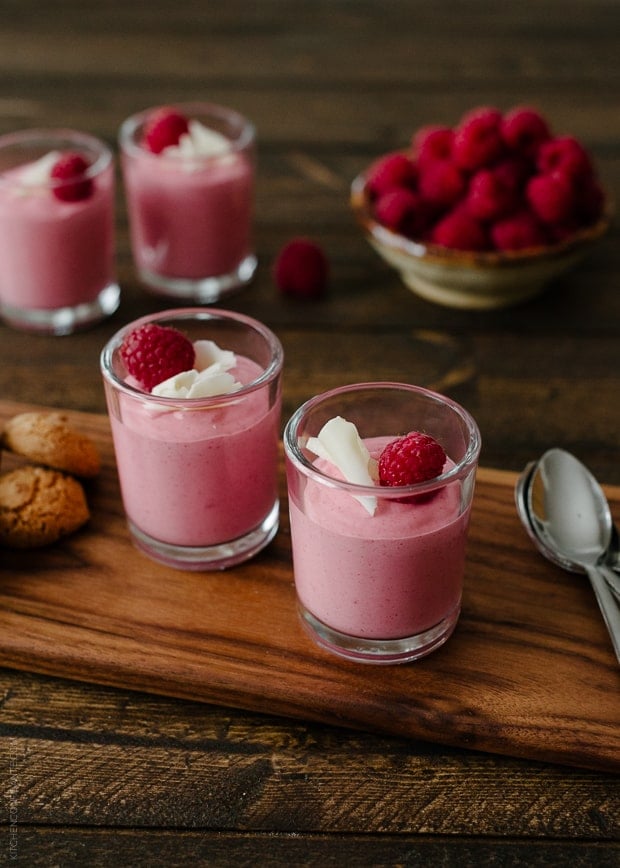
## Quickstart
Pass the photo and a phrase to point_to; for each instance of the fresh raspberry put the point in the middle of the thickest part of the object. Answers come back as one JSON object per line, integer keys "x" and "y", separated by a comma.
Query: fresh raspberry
{"x": 513, "y": 172}
{"x": 551, "y": 197}
{"x": 477, "y": 139}
{"x": 70, "y": 170}
{"x": 152, "y": 353}
{"x": 389, "y": 173}
{"x": 416, "y": 457}
{"x": 441, "y": 183}
{"x": 459, "y": 230}
{"x": 395, "y": 208}
{"x": 524, "y": 130}
{"x": 301, "y": 269}
{"x": 491, "y": 195}
{"x": 520, "y": 231}
{"x": 432, "y": 143}
{"x": 163, "y": 129}
{"x": 405, "y": 212}
{"x": 566, "y": 155}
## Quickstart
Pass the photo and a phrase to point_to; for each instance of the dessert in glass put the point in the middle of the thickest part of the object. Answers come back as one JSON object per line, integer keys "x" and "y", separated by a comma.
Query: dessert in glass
{"x": 57, "y": 270}
{"x": 194, "y": 399}
{"x": 380, "y": 480}
{"x": 189, "y": 175}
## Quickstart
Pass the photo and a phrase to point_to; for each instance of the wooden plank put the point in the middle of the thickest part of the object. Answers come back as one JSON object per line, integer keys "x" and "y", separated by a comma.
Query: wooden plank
{"x": 45, "y": 846}
{"x": 529, "y": 672}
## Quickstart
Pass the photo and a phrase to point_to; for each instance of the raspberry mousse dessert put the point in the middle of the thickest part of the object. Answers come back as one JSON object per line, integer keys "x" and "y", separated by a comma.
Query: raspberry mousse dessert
{"x": 56, "y": 231}
{"x": 194, "y": 399}
{"x": 189, "y": 174}
{"x": 379, "y": 520}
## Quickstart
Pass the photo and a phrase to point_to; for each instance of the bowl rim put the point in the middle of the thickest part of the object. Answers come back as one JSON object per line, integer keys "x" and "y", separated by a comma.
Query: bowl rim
{"x": 489, "y": 258}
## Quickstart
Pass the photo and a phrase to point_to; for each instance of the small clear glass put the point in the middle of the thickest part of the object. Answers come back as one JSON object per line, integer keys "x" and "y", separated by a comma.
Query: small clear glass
{"x": 57, "y": 269}
{"x": 380, "y": 586}
{"x": 199, "y": 476}
{"x": 191, "y": 218}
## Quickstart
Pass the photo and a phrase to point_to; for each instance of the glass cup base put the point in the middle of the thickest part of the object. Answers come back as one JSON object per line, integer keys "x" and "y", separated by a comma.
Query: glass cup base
{"x": 63, "y": 320}
{"x": 216, "y": 557}
{"x": 381, "y": 651}
{"x": 206, "y": 290}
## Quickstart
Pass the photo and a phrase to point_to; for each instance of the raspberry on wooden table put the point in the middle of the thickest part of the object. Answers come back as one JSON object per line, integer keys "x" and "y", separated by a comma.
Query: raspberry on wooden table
{"x": 301, "y": 269}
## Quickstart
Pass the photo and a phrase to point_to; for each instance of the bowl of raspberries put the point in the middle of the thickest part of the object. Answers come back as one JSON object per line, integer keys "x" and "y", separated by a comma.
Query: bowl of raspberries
{"x": 484, "y": 214}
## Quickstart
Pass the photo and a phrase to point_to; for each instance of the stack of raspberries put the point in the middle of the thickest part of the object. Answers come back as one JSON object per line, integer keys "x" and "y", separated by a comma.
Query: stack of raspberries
{"x": 497, "y": 181}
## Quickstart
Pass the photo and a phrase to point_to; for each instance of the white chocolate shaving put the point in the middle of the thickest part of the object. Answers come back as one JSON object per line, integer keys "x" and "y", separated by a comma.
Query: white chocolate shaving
{"x": 200, "y": 141}
{"x": 38, "y": 173}
{"x": 208, "y": 352}
{"x": 208, "y": 378}
{"x": 338, "y": 441}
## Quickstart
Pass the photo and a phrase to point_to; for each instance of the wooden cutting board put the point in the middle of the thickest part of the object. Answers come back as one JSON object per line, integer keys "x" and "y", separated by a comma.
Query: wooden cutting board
{"x": 529, "y": 672}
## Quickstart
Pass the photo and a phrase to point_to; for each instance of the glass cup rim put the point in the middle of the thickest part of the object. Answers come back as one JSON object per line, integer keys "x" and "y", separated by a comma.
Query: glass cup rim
{"x": 42, "y": 134}
{"x": 460, "y": 469}
{"x": 270, "y": 373}
{"x": 247, "y": 130}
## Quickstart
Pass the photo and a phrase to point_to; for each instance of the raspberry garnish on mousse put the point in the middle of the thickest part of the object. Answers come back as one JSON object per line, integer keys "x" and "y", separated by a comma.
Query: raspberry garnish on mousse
{"x": 414, "y": 458}
{"x": 70, "y": 168}
{"x": 153, "y": 353}
{"x": 163, "y": 361}
{"x": 169, "y": 132}
{"x": 164, "y": 129}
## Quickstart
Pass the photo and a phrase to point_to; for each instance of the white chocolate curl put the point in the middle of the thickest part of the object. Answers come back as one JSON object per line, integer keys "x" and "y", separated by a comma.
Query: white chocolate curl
{"x": 200, "y": 141}
{"x": 208, "y": 378}
{"x": 338, "y": 441}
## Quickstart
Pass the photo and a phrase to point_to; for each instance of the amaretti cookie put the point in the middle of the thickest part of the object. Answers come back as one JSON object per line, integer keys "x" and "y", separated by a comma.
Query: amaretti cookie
{"x": 38, "y": 506}
{"x": 49, "y": 438}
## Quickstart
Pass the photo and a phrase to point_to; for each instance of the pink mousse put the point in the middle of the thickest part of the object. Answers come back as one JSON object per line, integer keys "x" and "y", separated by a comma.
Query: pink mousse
{"x": 52, "y": 253}
{"x": 199, "y": 477}
{"x": 390, "y": 575}
{"x": 189, "y": 219}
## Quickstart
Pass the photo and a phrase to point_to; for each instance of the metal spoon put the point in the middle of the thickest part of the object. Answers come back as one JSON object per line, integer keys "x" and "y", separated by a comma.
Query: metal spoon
{"x": 523, "y": 496}
{"x": 567, "y": 516}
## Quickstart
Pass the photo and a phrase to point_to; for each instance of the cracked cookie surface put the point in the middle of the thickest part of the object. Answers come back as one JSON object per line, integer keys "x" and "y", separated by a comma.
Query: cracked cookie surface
{"x": 50, "y": 439}
{"x": 38, "y": 506}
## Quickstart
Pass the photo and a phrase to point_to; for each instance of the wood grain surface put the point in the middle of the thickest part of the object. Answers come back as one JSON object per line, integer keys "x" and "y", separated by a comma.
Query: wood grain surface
{"x": 111, "y": 776}
{"x": 529, "y": 672}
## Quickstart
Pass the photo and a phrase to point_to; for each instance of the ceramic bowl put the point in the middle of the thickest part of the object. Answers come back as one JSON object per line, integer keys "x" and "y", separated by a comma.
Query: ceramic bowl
{"x": 470, "y": 280}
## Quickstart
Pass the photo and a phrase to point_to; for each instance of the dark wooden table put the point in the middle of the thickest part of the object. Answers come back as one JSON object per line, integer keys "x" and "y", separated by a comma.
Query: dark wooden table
{"x": 93, "y": 775}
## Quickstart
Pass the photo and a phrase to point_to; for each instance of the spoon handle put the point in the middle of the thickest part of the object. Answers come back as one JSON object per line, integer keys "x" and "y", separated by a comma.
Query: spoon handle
{"x": 613, "y": 579}
{"x": 608, "y": 606}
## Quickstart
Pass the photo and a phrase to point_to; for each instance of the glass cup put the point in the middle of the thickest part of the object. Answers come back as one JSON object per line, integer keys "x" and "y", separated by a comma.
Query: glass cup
{"x": 380, "y": 586}
{"x": 191, "y": 217}
{"x": 199, "y": 476}
{"x": 56, "y": 236}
